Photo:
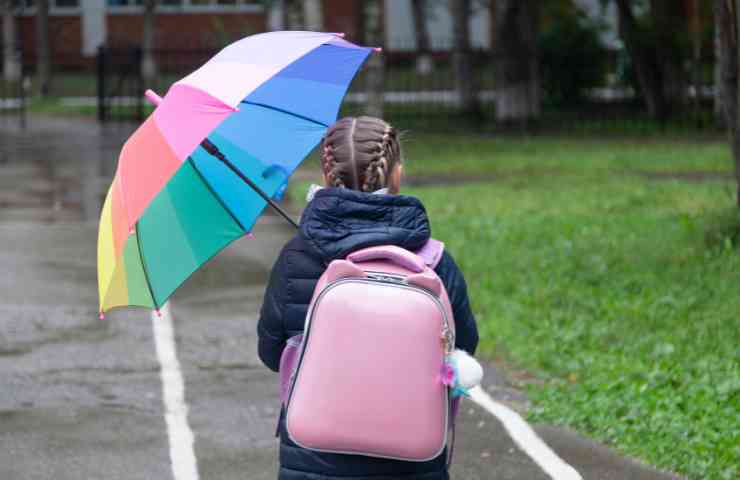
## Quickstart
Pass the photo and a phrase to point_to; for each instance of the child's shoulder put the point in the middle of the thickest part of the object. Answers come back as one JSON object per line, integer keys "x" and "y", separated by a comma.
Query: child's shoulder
{"x": 297, "y": 256}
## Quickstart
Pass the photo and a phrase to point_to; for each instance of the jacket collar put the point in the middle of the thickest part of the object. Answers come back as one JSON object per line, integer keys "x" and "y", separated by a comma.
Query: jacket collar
{"x": 338, "y": 221}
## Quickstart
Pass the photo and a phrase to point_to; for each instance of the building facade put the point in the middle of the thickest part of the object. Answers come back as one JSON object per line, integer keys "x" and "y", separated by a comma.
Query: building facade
{"x": 79, "y": 27}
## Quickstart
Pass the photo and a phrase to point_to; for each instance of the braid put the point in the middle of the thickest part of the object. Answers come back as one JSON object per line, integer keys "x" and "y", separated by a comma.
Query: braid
{"x": 359, "y": 153}
{"x": 329, "y": 165}
{"x": 376, "y": 172}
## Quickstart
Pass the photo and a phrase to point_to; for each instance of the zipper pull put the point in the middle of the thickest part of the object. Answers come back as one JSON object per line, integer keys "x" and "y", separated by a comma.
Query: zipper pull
{"x": 447, "y": 340}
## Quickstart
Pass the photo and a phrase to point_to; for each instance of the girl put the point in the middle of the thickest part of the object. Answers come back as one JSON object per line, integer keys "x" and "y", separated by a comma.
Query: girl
{"x": 360, "y": 207}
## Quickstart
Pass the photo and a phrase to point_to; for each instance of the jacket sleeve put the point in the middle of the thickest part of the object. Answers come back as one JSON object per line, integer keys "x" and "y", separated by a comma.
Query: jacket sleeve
{"x": 466, "y": 330}
{"x": 271, "y": 325}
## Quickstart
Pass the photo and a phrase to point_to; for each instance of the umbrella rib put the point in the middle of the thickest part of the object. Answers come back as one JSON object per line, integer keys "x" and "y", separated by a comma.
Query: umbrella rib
{"x": 143, "y": 265}
{"x": 287, "y": 112}
{"x": 213, "y": 192}
{"x": 209, "y": 147}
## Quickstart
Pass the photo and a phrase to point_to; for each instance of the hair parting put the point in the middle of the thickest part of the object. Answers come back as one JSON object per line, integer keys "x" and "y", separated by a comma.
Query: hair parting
{"x": 360, "y": 153}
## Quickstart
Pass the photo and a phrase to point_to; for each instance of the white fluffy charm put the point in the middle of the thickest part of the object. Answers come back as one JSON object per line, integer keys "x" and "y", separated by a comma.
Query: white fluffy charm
{"x": 461, "y": 372}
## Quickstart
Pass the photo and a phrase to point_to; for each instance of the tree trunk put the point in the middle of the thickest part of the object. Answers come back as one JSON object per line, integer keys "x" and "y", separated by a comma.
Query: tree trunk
{"x": 424, "y": 62}
{"x": 294, "y": 15}
{"x": 462, "y": 58}
{"x": 43, "y": 48}
{"x": 313, "y": 15}
{"x": 11, "y": 63}
{"x": 375, "y": 69}
{"x": 148, "y": 62}
{"x": 644, "y": 59}
{"x": 670, "y": 27}
{"x": 518, "y": 93}
{"x": 719, "y": 113}
{"x": 694, "y": 20}
{"x": 727, "y": 16}
{"x": 736, "y": 92}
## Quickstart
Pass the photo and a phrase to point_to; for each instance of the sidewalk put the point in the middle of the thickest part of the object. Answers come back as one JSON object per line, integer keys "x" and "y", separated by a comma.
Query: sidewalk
{"x": 82, "y": 398}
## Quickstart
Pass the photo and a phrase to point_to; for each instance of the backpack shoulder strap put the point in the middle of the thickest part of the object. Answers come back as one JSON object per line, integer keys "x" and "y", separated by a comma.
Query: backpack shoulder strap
{"x": 431, "y": 252}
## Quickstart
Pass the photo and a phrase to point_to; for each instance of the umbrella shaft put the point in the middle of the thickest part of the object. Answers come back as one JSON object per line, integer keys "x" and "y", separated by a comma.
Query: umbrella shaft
{"x": 209, "y": 147}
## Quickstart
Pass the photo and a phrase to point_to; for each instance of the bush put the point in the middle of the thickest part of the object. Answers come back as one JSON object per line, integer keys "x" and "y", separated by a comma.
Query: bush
{"x": 573, "y": 58}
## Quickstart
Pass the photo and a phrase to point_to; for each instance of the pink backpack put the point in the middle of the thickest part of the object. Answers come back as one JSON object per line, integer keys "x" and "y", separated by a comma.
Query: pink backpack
{"x": 365, "y": 378}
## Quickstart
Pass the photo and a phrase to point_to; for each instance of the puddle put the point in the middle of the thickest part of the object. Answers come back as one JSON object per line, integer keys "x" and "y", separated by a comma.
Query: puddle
{"x": 57, "y": 169}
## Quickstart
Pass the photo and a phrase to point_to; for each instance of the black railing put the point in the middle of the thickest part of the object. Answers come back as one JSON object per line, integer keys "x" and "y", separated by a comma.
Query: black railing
{"x": 13, "y": 95}
{"x": 121, "y": 85}
{"x": 415, "y": 99}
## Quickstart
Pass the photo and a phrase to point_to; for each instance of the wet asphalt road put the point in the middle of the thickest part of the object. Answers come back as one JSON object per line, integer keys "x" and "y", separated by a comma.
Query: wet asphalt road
{"x": 81, "y": 398}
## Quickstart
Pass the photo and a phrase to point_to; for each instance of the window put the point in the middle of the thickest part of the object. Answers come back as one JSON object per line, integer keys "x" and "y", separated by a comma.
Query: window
{"x": 54, "y": 5}
{"x": 224, "y": 3}
{"x": 123, "y": 3}
{"x": 187, "y": 5}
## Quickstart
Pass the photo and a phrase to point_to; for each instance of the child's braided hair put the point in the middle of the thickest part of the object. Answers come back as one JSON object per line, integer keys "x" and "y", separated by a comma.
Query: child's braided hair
{"x": 360, "y": 153}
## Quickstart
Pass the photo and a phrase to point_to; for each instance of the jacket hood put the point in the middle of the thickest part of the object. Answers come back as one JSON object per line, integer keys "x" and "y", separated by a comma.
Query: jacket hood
{"x": 338, "y": 221}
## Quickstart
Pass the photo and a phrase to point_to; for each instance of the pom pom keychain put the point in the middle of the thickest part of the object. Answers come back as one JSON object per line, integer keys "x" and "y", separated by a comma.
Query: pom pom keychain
{"x": 461, "y": 372}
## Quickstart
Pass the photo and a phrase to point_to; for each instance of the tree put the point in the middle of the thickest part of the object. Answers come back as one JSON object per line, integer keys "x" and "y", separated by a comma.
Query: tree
{"x": 671, "y": 34}
{"x": 462, "y": 58}
{"x": 727, "y": 17}
{"x": 719, "y": 114}
{"x": 11, "y": 65}
{"x": 313, "y": 15}
{"x": 375, "y": 70}
{"x": 518, "y": 94}
{"x": 695, "y": 32}
{"x": 148, "y": 63}
{"x": 572, "y": 57}
{"x": 43, "y": 47}
{"x": 424, "y": 62}
{"x": 658, "y": 47}
{"x": 294, "y": 15}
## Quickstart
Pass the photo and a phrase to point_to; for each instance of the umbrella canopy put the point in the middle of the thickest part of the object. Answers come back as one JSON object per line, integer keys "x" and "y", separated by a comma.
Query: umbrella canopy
{"x": 264, "y": 102}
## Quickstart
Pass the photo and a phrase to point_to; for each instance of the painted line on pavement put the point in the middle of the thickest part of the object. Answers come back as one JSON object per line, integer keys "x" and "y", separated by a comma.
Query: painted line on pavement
{"x": 180, "y": 436}
{"x": 525, "y": 438}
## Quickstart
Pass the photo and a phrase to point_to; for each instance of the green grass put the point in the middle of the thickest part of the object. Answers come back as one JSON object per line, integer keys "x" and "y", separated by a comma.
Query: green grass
{"x": 620, "y": 293}
{"x": 53, "y": 106}
{"x": 448, "y": 157}
{"x": 546, "y": 156}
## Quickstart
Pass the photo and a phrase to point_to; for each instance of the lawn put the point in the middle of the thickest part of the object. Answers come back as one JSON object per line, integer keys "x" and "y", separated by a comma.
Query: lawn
{"x": 619, "y": 292}
{"x": 615, "y": 285}
{"x": 446, "y": 157}
{"x": 545, "y": 156}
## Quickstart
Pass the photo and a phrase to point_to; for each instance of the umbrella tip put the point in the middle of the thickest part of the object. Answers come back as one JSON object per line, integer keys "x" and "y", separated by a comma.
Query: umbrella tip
{"x": 153, "y": 98}
{"x": 102, "y": 315}
{"x": 159, "y": 313}
{"x": 378, "y": 49}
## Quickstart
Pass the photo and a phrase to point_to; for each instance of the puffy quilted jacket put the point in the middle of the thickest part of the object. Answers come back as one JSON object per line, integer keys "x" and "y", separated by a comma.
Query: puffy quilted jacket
{"x": 336, "y": 222}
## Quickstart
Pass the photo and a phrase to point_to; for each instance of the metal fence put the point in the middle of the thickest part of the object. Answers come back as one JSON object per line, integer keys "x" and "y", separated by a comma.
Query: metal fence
{"x": 121, "y": 85}
{"x": 13, "y": 94}
{"x": 419, "y": 100}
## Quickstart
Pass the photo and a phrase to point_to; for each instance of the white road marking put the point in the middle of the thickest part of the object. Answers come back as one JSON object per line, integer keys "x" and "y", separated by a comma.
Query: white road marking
{"x": 182, "y": 454}
{"x": 527, "y": 440}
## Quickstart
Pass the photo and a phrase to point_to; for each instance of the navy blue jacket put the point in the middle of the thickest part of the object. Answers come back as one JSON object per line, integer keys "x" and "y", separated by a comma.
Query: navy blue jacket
{"x": 336, "y": 222}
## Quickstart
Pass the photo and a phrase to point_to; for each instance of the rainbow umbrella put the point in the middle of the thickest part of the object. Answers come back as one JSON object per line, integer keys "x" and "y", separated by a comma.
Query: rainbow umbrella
{"x": 221, "y": 144}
